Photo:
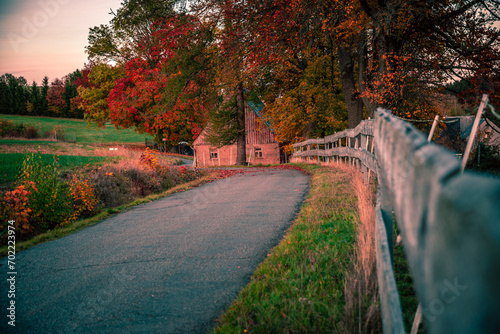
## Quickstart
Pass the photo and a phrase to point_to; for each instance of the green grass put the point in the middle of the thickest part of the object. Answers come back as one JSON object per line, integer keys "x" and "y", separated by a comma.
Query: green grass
{"x": 11, "y": 163}
{"x": 80, "y": 130}
{"x": 23, "y": 142}
{"x": 299, "y": 287}
{"x": 404, "y": 282}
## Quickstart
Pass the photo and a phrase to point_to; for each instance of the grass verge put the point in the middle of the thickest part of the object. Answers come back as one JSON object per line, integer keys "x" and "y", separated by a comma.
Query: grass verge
{"x": 300, "y": 287}
{"x": 83, "y": 223}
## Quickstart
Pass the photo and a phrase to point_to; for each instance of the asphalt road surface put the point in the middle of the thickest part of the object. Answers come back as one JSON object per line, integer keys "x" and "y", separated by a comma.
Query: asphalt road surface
{"x": 170, "y": 266}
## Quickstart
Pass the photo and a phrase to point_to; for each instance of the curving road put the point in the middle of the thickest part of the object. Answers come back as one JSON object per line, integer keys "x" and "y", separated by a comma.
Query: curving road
{"x": 170, "y": 266}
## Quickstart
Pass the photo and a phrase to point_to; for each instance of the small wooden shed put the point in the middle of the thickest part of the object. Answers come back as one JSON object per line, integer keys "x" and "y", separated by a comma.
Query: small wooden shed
{"x": 261, "y": 145}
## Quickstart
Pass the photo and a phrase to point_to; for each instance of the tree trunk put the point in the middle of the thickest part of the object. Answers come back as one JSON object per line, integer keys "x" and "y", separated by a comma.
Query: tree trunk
{"x": 362, "y": 75}
{"x": 241, "y": 149}
{"x": 349, "y": 89}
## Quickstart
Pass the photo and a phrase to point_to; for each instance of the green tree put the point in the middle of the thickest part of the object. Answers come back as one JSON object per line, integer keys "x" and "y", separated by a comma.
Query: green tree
{"x": 70, "y": 92}
{"x": 94, "y": 99}
{"x": 4, "y": 96}
{"x": 16, "y": 94}
{"x": 129, "y": 32}
{"x": 35, "y": 98}
{"x": 226, "y": 121}
{"x": 44, "y": 104}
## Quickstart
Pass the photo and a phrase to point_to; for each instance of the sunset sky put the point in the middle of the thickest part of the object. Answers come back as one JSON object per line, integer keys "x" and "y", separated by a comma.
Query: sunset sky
{"x": 48, "y": 37}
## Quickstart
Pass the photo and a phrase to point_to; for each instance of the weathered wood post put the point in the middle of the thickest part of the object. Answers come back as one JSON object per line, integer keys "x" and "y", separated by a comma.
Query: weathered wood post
{"x": 433, "y": 128}
{"x": 484, "y": 102}
{"x": 392, "y": 317}
{"x": 317, "y": 151}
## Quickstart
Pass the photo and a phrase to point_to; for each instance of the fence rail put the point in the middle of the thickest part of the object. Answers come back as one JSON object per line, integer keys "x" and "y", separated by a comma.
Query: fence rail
{"x": 354, "y": 146}
{"x": 449, "y": 222}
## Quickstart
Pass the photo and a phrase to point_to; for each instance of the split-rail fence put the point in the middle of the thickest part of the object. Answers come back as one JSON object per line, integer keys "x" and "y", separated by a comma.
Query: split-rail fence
{"x": 449, "y": 222}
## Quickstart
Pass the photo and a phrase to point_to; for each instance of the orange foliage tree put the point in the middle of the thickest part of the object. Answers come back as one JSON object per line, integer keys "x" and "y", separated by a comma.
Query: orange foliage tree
{"x": 164, "y": 56}
{"x": 419, "y": 46}
{"x": 284, "y": 59}
{"x": 393, "y": 54}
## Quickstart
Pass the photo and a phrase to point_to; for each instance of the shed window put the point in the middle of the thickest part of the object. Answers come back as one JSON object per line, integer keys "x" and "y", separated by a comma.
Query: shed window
{"x": 258, "y": 153}
{"x": 213, "y": 155}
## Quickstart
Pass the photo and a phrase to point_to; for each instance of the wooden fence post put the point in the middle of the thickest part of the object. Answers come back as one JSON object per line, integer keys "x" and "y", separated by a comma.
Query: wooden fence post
{"x": 484, "y": 102}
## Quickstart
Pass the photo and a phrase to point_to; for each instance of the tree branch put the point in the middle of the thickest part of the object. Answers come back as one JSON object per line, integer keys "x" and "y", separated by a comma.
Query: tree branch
{"x": 367, "y": 9}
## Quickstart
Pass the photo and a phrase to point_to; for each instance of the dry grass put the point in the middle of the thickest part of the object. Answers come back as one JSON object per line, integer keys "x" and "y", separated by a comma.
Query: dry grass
{"x": 362, "y": 310}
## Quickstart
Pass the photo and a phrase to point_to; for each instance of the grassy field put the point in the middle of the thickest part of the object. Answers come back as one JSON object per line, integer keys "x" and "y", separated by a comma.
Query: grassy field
{"x": 12, "y": 162}
{"x": 24, "y": 142}
{"x": 404, "y": 282}
{"x": 79, "y": 130}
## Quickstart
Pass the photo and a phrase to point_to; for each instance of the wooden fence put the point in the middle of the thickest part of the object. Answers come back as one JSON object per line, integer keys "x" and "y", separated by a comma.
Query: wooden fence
{"x": 449, "y": 222}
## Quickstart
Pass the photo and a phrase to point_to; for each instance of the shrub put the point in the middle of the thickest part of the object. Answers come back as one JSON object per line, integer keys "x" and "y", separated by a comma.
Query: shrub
{"x": 31, "y": 132}
{"x": 486, "y": 159}
{"x": 6, "y": 127}
{"x": 11, "y": 129}
{"x": 119, "y": 184}
{"x": 168, "y": 177}
{"x": 143, "y": 182}
{"x": 111, "y": 186}
{"x": 84, "y": 200}
{"x": 149, "y": 159}
{"x": 51, "y": 203}
{"x": 14, "y": 206}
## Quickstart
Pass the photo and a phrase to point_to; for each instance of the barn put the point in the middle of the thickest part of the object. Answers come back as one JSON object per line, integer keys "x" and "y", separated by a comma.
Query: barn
{"x": 261, "y": 145}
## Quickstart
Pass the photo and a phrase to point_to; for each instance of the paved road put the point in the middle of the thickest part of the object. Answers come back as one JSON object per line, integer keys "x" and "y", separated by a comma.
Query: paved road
{"x": 170, "y": 266}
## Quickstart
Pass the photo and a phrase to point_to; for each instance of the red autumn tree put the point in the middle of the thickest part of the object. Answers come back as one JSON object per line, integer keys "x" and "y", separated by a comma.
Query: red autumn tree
{"x": 165, "y": 92}
{"x": 55, "y": 97}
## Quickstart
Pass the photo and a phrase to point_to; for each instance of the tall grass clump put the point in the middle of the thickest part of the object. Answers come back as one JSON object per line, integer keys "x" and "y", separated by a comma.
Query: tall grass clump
{"x": 12, "y": 129}
{"x": 362, "y": 309}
